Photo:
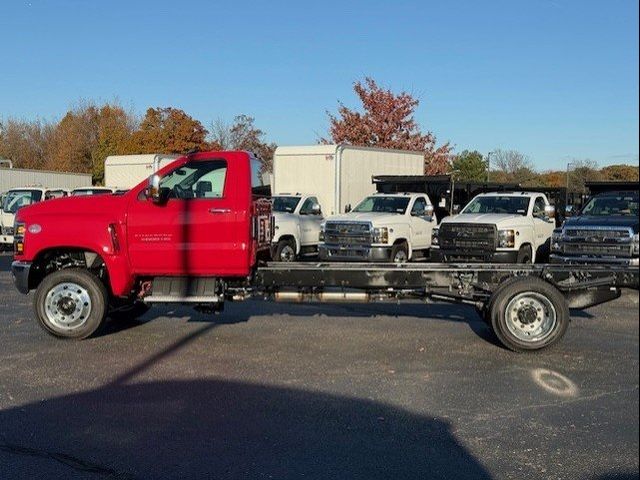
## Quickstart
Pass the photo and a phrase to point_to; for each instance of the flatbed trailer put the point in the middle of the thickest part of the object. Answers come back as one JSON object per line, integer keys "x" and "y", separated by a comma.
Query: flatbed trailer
{"x": 527, "y": 306}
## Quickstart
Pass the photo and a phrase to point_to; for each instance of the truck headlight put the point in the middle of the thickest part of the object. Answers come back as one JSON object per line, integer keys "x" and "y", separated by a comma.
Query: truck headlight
{"x": 636, "y": 244}
{"x": 19, "y": 230}
{"x": 556, "y": 241}
{"x": 506, "y": 238}
{"x": 381, "y": 235}
{"x": 435, "y": 241}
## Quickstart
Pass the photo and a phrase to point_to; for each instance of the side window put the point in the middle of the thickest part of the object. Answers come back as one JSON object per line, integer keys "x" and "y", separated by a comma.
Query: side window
{"x": 419, "y": 207}
{"x": 256, "y": 176}
{"x": 197, "y": 179}
{"x": 307, "y": 206}
{"x": 538, "y": 207}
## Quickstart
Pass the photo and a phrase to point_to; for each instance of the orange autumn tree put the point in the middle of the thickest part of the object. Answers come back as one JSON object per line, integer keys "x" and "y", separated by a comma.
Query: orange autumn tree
{"x": 387, "y": 121}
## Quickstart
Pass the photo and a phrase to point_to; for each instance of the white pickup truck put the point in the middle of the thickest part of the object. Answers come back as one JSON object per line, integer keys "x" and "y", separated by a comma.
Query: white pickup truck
{"x": 383, "y": 227}
{"x": 499, "y": 227}
{"x": 297, "y": 220}
{"x": 17, "y": 198}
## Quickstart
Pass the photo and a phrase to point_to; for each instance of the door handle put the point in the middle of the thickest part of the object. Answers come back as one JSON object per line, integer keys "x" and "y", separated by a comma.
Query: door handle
{"x": 219, "y": 210}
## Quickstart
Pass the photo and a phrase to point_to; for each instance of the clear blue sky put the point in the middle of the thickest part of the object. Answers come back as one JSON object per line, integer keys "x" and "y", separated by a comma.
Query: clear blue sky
{"x": 554, "y": 79}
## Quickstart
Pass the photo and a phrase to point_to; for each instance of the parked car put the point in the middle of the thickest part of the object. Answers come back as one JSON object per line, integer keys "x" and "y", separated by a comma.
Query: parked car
{"x": 498, "y": 227}
{"x": 604, "y": 231}
{"x": 297, "y": 220}
{"x": 383, "y": 227}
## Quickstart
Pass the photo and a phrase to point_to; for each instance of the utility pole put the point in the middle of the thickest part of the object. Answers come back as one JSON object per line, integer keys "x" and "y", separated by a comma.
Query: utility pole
{"x": 489, "y": 164}
{"x": 566, "y": 199}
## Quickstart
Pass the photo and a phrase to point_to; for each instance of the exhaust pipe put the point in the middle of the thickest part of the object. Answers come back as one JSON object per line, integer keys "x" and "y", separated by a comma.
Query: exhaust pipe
{"x": 323, "y": 297}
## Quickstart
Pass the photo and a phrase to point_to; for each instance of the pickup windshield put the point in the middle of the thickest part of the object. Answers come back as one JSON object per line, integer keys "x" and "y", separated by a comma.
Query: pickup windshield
{"x": 383, "y": 205}
{"x": 16, "y": 199}
{"x": 507, "y": 204}
{"x": 285, "y": 204}
{"x": 605, "y": 205}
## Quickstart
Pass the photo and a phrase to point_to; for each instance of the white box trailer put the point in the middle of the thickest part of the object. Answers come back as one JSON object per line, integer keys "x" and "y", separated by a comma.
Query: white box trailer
{"x": 339, "y": 175}
{"x": 22, "y": 177}
{"x": 126, "y": 171}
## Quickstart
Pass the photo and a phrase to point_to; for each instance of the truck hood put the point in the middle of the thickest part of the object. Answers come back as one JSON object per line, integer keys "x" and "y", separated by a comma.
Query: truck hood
{"x": 600, "y": 221}
{"x": 374, "y": 217}
{"x": 498, "y": 219}
{"x": 94, "y": 205}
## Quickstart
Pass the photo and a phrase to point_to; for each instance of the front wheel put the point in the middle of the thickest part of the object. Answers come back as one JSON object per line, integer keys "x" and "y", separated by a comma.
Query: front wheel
{"x": 71, "y": 303}
{"x": 285, "y": 251}
{"x": 400, "y": 253}
{"x": 528, "y": 314}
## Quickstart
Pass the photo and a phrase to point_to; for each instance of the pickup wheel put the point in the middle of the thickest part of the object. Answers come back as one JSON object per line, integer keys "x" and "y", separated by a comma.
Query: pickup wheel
{"x": 71, "y": 303}
{"x": 525, "y": 254}
{"x": 400, "y": 253}
{"x": 528, "y": 314}
{"x": 285, "y": 251}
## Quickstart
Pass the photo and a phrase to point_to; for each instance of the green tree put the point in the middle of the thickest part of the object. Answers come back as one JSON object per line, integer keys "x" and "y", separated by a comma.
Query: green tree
{"x": 470, "y": 166}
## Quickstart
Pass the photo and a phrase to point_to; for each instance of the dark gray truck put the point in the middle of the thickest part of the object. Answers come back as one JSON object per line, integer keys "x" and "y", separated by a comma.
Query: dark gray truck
{"x": 604, "y": 231}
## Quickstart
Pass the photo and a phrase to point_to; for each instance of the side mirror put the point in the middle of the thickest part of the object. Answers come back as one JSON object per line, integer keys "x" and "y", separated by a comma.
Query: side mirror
{"x": 153, "y": 190}
{"x": 315, "y": 209}
{"x": 550, "y": 212}
{"x": 428, "y": 212}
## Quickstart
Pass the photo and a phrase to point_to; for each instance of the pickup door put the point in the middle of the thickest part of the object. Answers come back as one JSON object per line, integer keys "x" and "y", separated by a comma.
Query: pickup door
{"x": 195, "y": 231}
{"x": 543, "y": 226}
{"x": 421, "y": 225}
{"x": 310, "y": 222}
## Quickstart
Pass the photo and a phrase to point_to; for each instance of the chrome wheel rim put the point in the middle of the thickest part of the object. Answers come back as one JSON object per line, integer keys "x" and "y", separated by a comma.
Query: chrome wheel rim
{"x": 67, "y": 306}
{"x": 531, "y": 317}
{"x": 287, "y": 254}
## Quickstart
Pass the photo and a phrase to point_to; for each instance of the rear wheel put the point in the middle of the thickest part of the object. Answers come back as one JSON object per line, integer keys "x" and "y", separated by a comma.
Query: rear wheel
{"x": 525, "y": 255}
{"x": 285, "y": 251}
{"x": 71, "y": 303}
{"x": 400, "y": 253}
{"x": 528, "y": 314}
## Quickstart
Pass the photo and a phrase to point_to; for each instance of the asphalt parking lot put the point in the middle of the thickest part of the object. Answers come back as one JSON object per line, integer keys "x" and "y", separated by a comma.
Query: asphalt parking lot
{"x": 308, "y": 391}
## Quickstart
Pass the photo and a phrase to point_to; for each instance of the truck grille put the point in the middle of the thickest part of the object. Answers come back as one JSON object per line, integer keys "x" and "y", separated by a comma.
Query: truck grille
{"x": 470, "y": 236}
{"x": 598, "y": 233}
{"x": 7, "y": 230}
{"x": 598, "y": 250}
{"x": 348, "y": 233}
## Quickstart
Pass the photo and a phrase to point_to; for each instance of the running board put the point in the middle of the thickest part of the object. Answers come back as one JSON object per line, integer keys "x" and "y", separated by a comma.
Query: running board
{"x": 184, "y": 290}
{"x": 178, "y": 299}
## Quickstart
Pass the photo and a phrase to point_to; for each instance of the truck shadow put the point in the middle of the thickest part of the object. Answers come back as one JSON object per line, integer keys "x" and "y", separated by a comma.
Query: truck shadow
{"x": 217, "y": 428}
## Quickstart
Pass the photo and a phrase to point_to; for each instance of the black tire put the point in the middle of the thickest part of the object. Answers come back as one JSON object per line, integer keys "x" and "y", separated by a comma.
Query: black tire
{"x": 90, "y": 319}
{"x": 127, "y": 312}
{"x": 400, "y": 249}
{"x": 285, "y": 251}
{"x": 525, "y": 255}
{"x": 507, "y": 296}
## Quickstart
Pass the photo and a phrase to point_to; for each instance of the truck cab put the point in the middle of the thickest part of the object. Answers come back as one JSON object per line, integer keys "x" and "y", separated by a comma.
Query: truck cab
{"x": 14, "y": 200}
{"x": 497, "y": 227}
{"x": 297, "y": 221}
{"x": 605, "y": 231}
{"x": 382, "y": 227}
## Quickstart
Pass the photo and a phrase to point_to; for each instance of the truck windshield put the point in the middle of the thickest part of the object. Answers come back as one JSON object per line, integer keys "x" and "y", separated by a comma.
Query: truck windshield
{"x": 507, "y": 204}
{"x": 604, "y": 205}
{"x": 285, "y": 204}
{"x": 16, "y": 199}
{"x": 383, "y": 205}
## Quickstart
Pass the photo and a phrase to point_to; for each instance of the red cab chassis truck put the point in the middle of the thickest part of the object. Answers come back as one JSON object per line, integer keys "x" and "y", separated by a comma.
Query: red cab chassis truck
{"x": 196, "y": 233}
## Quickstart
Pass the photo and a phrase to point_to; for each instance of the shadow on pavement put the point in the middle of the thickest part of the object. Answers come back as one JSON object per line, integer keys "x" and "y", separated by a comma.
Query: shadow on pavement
{"x": 224, "y": 429}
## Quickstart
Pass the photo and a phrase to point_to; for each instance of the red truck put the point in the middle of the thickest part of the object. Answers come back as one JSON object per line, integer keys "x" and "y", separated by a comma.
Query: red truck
{"x": 196, "y": 233}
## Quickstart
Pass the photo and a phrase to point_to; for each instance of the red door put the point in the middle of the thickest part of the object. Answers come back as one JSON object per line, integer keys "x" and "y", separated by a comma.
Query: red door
{"x": 196, "y": 230}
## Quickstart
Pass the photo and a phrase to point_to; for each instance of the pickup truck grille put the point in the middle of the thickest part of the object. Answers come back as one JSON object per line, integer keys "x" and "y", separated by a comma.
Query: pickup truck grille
{"x": 598, "y": 250}
{"x": 469, "y": 236}
{"x": 598, "y": 241}
{"x": 348, "y": 233}
{"x": 603, "y": 234}
{"x": 7, "y": 230}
